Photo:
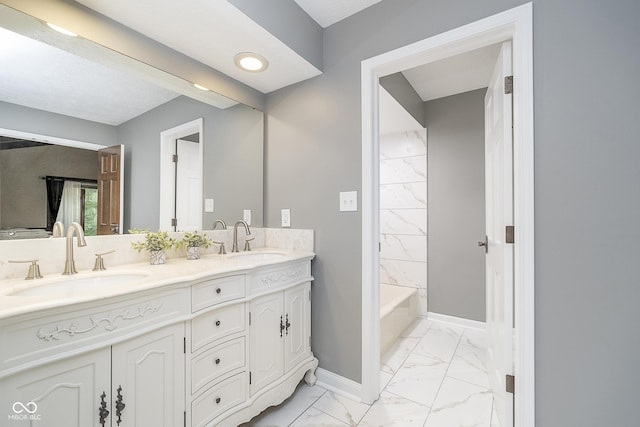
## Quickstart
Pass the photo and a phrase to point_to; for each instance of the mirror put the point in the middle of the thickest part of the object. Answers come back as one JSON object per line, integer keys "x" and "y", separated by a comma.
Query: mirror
{"x": 31, "y": 103}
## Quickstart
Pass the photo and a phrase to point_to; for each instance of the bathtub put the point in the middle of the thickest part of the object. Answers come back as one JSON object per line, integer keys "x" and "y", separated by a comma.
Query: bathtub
{"x": 398, "y": 310}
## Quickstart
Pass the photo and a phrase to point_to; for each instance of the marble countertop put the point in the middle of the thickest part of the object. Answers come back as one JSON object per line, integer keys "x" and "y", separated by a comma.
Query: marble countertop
{"x": 152, "y": 277}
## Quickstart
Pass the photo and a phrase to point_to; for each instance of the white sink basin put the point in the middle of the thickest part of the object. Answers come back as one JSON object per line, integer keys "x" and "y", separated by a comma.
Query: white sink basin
{"x": 257, "y": 256}
{"x": 77, "y": 285}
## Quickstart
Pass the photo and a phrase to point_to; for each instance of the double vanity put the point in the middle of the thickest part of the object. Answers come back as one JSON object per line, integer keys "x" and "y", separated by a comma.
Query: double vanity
{"x": 210, "y": 342}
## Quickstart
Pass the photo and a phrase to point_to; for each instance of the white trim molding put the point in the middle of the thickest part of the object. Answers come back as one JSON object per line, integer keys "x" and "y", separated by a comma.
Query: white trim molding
{"x": 516, "y": 25}
{"x": 30, "y": 136}
{"x": 338, "y": 384}
{"x": 456, "y": 321}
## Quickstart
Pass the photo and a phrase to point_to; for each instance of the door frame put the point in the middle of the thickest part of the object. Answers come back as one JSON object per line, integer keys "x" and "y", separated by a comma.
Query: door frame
{"x": 167, "y": 175}
{"x": 516, "y": 25}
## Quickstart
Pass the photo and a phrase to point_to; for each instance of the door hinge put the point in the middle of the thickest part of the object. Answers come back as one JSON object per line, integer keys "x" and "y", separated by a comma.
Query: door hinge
{"x": 249, "y": 377}
{"x": 510, "y": 384}
{"x": 249, "y": 318}
{"x": 508, "y": 85}
{"x": 184, "y": 417}
{"x": 184, "y": 345}
{"x": 174, "y": 222}
{"x": 379, "y": 247}
{"x": 174, "y": 158}
{"x": 509, "y": 234}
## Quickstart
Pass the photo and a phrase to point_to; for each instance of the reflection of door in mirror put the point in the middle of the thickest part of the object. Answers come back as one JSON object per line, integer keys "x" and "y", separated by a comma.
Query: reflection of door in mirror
{"x": 181, "y": 181}
{"x": 188, "y": 184}
{"x": 110, "y": 180}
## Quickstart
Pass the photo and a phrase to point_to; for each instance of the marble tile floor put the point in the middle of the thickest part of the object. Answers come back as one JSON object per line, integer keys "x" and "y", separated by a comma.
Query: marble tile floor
{"x": 433, "y": 376}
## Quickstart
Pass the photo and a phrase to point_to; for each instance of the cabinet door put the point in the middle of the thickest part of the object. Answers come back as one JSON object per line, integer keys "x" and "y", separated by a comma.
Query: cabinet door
{"x": 266, "y": 347}
{"x": 65, "y": 393}
{"x": 148, "y": 373}
{"x": 297, "y": 309}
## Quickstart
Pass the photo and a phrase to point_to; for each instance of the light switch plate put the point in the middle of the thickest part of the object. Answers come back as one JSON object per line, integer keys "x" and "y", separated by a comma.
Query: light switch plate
{"x": 348, "y": 201}
{"x": 247, "y": 216}
{"x": 208, "y": 205}
{"x": 285, "y": 214}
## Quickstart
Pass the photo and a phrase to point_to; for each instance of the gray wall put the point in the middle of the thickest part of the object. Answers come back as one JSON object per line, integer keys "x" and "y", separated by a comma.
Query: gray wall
{"x": 25, "y": 193}
{"x": 586, "y": 176}
{"x": 313, "y": 152}
{"x": 17, "y": 117}
{"x": 399, "y": 87}
{"x": 233, "y": 160}
{"x": 587, "y": 154}
{"x": 455, "y": 194}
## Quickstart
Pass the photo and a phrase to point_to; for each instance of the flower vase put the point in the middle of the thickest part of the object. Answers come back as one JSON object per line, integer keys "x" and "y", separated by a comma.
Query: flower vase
{"x": 157, "y": 257}
{"x": 193, "y": 252}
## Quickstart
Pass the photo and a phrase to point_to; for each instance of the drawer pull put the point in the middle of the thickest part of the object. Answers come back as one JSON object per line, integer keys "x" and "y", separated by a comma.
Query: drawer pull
{"x": 217, "y": 361}
{"x": 218, "y": 290}
{"x": 217, "y": 323}
{"x": 218, "y": 400}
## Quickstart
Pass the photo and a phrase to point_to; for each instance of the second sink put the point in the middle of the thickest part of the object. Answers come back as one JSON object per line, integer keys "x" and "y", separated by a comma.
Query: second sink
{"x": 80, "y": 284}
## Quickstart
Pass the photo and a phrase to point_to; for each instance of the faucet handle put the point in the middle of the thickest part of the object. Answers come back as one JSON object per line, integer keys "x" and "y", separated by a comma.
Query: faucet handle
{"x": 223, "y": 250}
{"x": 99, "y": 265}
{"x": 34, "y": 268}
{"x": 247, "y": 246}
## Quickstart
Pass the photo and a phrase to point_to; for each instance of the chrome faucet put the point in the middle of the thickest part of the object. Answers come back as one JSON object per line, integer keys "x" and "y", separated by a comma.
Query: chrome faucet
{"x": 70, "y": 265}
{"x": 235, "y": 234}
{"x": 222, "y": 250}
{"x": 221, "y": 222}
{"x": 58, "y": 229}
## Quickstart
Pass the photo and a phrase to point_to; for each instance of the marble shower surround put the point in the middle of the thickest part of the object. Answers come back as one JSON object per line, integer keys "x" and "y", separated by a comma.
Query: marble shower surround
{"x": 403, "y": 211}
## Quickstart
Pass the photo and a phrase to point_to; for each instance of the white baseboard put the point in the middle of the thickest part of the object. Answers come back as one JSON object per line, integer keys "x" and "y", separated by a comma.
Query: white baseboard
{"x": 338, "y": 384}
{"x": 456, "y": 321}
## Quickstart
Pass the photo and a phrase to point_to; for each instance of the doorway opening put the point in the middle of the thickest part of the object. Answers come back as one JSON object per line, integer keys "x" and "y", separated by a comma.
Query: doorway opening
{"x": 514, "y": 25}
{"x": 181, "y": 186}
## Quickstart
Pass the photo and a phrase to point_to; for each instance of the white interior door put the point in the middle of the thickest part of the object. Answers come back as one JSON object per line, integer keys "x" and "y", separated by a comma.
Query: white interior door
{"x": 499, "y": 214}
{"x": 188, "y": 186}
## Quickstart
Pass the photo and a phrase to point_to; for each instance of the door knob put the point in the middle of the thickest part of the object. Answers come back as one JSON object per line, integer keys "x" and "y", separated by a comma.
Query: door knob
{"x": 485, "y": 244}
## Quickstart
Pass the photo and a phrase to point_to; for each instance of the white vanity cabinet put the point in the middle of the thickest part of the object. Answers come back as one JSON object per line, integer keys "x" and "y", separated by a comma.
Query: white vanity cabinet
{"x": 209, "y": 351}
{"x": 280, "y": 334}
{"x": 67, "y": 392}
{"x": 148, "y": 376}
{"x": 138, "y": 382}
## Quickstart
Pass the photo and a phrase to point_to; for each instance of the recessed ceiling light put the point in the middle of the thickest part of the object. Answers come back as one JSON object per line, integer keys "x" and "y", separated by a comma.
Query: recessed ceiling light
{"x": 61, "y": 30}
{"x": 200, "y": 87}
{"x": 251, "y": 62}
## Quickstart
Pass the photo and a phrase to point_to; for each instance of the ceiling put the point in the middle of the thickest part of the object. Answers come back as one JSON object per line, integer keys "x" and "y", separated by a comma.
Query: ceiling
{"x": 328, "y": 12}
{"x": 210, "y": 31}
{"x": 457, "y": 74}
{"x": 41, "y": 76}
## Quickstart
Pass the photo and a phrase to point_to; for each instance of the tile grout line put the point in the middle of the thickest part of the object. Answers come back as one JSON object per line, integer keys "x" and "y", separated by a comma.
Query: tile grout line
{"x": 307, "y": 408}
{"x": 444, "y": 377}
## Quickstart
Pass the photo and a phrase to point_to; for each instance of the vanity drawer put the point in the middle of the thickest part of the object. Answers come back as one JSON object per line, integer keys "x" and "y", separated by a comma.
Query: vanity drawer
{"x": 216, "y": 291}
{"x": 217, "y": 324}
{"x": 216, "y": 362}
{"x": 222, "y": 396}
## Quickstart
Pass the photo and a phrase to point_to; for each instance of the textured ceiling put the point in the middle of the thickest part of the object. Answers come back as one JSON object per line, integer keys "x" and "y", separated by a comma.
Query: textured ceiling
{"x": 212, "y": 32}
{"x": 458, "y": 74}
{"x": 328, "y": 12}
{"x": 37, "y": 75}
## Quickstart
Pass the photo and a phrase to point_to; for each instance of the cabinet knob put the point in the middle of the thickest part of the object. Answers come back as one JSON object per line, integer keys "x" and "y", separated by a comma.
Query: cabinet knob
{"x": 218, "y": 290}
{"x": 218, "y": 400}
{"x": 217, "y": 323}
{"x": 217, "y": 361}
